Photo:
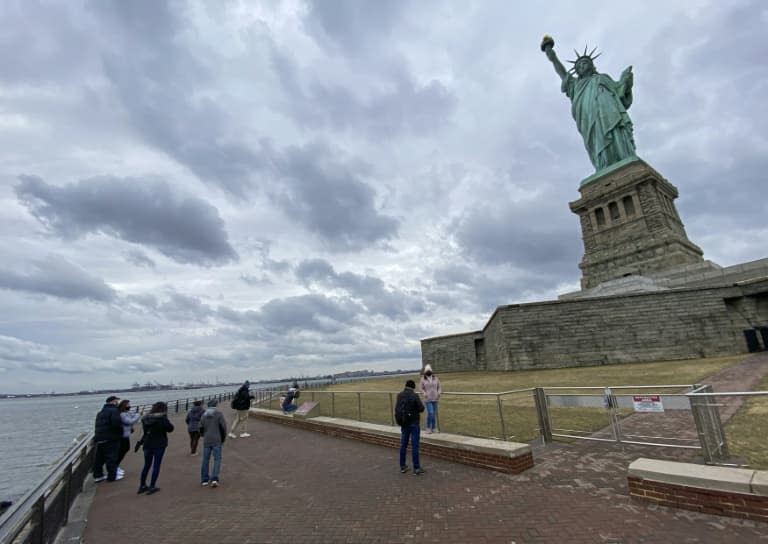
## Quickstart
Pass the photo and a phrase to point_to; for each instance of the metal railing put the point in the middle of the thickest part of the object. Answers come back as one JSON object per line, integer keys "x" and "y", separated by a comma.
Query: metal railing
{"x": 38, "y": 516}
{"x": 177, "y": 405}
{"x": 688, "y": 419}
{"x": 728, "y": 424}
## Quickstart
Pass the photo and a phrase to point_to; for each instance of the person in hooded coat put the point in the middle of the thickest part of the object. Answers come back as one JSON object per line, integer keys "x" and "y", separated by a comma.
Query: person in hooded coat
{"x": 430, "y": 387}
{"x": 156, "y": 428}
{"x": 193, "y": 425}
{"x": 241, "y": 403}
{"x": 213, "y": 428}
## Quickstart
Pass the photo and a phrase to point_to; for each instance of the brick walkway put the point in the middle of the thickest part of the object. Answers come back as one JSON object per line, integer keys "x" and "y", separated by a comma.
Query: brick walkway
{"x": 288, "y": 485}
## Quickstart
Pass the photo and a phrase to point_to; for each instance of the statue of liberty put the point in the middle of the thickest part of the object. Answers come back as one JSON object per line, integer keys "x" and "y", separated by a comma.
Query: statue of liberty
{"x": 599, "y": 106}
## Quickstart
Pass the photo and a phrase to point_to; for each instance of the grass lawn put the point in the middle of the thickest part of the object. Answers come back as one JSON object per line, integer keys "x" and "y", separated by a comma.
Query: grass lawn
{"x": 478, "y": 415}
{"x": 747, "y": 431}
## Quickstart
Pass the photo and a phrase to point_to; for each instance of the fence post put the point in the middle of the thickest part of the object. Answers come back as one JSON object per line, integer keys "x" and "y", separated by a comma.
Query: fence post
{"x": 68, "y": 495}
{"x": 39, "y": 509}
{"x": 709, "y": 427}
{"x": 177, "y": 406}
{"x": 359, "y": 407}
{"x": 333, "y": 404}
{"x": 542, "y": 411}
{"x": 501, "y": 418}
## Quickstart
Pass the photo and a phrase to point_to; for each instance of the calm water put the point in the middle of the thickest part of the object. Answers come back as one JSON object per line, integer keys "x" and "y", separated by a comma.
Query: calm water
{"x": 37, "y": 432}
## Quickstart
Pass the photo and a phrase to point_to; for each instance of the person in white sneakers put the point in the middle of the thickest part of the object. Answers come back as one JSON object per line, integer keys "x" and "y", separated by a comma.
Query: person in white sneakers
{"x": 107, "y": 434}
{"x": 241, "y": 403}
{"x": 128, "y": 419}
{"x": 430, "y": 387}
{"x": 213, "y": 429}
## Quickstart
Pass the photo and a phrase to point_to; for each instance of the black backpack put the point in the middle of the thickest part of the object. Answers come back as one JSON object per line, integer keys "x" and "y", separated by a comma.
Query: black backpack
{"x": 403, "y": 413}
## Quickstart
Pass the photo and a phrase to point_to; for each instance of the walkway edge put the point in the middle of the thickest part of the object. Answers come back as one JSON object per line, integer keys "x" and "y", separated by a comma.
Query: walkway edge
{"x": 508, "y": 457}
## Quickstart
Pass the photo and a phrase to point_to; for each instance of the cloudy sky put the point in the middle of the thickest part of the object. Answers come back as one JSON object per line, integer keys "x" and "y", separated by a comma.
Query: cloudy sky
{"x": 231, "y": 190}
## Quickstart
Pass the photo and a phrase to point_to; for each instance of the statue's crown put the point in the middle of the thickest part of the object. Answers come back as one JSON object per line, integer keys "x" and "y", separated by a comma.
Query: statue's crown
{"x": 582, "y": 56}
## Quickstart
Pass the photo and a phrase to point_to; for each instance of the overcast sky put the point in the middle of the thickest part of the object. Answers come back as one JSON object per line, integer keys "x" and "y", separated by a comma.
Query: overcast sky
{"x": 231, "y": 190}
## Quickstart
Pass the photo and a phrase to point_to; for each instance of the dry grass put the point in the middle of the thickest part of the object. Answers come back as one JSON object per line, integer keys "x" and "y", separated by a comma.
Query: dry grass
{"x": 478, "y": 415}
{"x": 747, "y": 430}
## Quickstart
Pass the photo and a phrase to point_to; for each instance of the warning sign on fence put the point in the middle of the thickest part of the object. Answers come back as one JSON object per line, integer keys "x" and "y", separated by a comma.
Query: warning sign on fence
{"x": 647, "y": 403}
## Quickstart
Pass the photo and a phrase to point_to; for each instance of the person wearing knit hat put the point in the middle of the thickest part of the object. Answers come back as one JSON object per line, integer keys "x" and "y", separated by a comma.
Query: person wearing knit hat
{"x": 408, "y": 411}
{"x": 430, "y": 387}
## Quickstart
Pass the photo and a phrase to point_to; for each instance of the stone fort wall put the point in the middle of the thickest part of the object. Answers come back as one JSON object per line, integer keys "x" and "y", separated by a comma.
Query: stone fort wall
{"x": 673, "y": 324}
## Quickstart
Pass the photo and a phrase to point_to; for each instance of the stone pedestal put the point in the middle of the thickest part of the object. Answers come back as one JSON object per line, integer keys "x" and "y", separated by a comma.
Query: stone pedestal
{"x": 630, "y": 225}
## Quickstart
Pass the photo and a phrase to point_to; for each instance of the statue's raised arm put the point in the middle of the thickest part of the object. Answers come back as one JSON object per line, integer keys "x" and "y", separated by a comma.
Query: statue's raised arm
{"x": 598, "y": 105}
{"x": 548, "y": 46}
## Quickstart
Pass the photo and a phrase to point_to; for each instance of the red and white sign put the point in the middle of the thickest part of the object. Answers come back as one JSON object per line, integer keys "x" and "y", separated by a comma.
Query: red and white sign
{"x": 647, "y": 403}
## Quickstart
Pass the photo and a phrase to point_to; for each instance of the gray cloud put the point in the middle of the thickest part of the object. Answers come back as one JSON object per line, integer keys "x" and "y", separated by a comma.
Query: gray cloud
{"x": 352, "y": 25}
{"x": 138, "y": 258}
{"x": 370, "y": 291}
{"x": 186, "y": 229}
{"x": 514, "y": 236}
{"x": 57, "y": 277}
{"x": 329, "y": 199}
{"x": 317, "y": 313}
{"x": 402, "y": 105}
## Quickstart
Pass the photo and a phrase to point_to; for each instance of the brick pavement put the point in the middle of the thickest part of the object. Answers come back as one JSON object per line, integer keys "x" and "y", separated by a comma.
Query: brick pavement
{"x": 286, "y": 484}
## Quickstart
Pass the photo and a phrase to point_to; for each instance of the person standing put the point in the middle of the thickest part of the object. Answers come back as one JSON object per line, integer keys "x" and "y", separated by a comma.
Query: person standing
{"x": 288, "y": 401}
{"x": 241, "y": 403}
{"x": 408, "y": 415}
{"x": 108, "y": 431}
{"x": 430, "y": 387}
{"x": 128, "y": 419}
{"x": 193, "y": 425}
{"x": 213, "y": 428}
{"x": 156, "y": 428}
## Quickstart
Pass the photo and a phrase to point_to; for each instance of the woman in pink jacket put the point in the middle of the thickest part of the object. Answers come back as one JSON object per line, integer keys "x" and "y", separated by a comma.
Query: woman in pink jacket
{"x": 430, "y": 386}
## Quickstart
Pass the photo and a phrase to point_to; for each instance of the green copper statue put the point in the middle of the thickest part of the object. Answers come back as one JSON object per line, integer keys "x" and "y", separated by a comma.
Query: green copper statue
{"x": 599, "y": 106}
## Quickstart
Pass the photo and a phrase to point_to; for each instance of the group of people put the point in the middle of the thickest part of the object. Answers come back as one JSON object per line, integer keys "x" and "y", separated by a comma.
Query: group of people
{"x": 115, "y": 424}
{"x": 408, "y": 410}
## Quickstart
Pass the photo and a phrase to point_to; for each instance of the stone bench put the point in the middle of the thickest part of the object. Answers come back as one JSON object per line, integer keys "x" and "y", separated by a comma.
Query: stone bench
{"x": 509, "y": 457}
{"x": 724, "y": 491}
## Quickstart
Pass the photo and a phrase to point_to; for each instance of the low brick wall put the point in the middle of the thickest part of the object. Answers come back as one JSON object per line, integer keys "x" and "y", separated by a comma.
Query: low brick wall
{"x": 732, "y": 492}
{"x": 509, "y": 457}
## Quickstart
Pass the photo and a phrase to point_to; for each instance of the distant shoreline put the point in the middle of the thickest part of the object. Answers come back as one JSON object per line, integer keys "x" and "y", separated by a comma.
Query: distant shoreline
{"x": 161, "y": 387}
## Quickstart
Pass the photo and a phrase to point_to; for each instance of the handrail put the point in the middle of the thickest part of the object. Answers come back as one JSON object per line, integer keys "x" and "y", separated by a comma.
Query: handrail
{"x": 730, "y": 394}
{"x": 16, "y": 518}
{"x": 620, "y": 386}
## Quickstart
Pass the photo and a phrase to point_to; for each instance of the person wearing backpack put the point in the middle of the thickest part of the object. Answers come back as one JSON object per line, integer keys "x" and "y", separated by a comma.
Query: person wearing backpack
{"x": 408, "y": 411}
{"x": 241, "y": 403}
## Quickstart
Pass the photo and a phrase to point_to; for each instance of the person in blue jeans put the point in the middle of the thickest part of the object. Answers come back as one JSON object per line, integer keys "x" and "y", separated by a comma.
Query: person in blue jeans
{"x": 430, "y": 387}
{"x": 408, "y": 415}
{"x": 156, "y": 428}
{"x": 289, "y": 403}
{"x": 213, "y": 429}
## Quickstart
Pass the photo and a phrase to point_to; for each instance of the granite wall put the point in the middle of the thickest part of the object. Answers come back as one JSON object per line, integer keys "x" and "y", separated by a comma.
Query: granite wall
{"x": 667, "y": 325}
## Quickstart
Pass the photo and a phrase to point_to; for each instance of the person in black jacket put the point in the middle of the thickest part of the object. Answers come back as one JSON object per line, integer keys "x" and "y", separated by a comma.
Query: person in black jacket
{"x": 289, "y": 402}
{"x": 242, "y": 403}
{"x": 156, "y": 428}
{"x": 108, "y": 432}
{"x": 408, "y": 416}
